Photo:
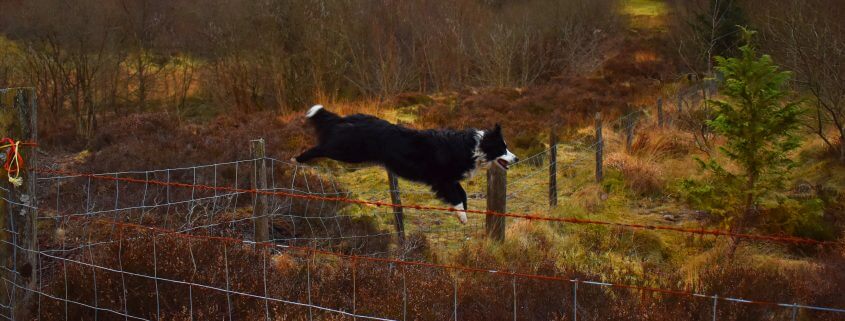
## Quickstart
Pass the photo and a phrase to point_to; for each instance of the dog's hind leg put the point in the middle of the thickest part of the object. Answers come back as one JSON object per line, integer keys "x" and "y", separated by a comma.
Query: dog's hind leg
{"x": 453, "y": 194}
{"x": 313, "y": 152}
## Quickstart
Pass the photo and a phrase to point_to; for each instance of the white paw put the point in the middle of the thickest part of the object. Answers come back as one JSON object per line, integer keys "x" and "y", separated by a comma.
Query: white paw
{"x": 462, "y": 215}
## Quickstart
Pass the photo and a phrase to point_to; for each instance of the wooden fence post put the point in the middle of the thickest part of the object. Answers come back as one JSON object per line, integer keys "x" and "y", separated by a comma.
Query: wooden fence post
{"x": 553, "y": 167}
{"x": 497, "y": 191}
{"x": 259, "y": 182}
{"x": 680, "y": 102}
{"x": 398, "y": 215}
{"x": 660, "y": 112}
{"x": 629, "y": 131}
{"x": 18, "y": 120}
{"x": 599, "y": 148}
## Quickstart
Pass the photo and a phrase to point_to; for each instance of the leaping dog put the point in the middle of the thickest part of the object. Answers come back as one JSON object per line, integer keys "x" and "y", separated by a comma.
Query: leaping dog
{"x": 438, "y": 158}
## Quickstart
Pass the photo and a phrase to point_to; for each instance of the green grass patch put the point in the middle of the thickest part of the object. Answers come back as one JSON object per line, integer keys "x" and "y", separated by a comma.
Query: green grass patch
{"x": 644, "y": 7}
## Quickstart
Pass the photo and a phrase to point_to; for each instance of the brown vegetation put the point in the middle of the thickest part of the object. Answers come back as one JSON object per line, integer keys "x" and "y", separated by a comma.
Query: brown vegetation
{"x": 642, "y": 176}
{"x": 91, "y": 61}
{"x": 378, "y": 287}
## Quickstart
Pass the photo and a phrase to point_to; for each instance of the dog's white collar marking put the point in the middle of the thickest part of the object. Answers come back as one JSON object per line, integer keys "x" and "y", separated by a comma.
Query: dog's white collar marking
{"x": 462, "y": 214}
{"x": 314, "y": 109}
{"x": 477, "y": 154}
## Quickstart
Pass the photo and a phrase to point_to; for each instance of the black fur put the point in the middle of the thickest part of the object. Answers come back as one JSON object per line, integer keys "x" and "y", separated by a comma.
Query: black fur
{"x": 437, "y": 158}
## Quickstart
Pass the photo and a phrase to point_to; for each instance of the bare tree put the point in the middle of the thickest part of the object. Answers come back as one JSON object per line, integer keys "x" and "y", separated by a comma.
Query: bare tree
{"x": 808, "y": 36}
{"x": 704, "y": 29}
{"x": 93, "y": 59}
{"x": 144, "y": 21}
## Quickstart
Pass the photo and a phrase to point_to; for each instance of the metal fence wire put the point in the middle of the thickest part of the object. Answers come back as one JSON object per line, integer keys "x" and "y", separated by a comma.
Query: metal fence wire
{"x": 116, "y": 246}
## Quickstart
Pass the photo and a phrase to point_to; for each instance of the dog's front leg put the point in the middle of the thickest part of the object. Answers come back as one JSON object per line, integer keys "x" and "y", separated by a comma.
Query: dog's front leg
{"x": 311, "y": 153}
{"x": 462, "y": 214}
{"x": 453, "y": 194}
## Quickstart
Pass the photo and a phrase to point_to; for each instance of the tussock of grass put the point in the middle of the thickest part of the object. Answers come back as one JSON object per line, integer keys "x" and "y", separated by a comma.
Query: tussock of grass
{"x": 661, "y": 143}
{"x": 641, "y": 176}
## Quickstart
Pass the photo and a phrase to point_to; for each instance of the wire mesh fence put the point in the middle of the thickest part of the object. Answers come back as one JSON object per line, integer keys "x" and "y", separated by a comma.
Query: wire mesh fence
{"x": 116, "y": 249}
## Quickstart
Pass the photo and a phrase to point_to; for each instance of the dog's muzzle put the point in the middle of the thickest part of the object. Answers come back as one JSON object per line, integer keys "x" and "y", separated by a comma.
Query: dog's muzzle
{"x": 506, "y": 160}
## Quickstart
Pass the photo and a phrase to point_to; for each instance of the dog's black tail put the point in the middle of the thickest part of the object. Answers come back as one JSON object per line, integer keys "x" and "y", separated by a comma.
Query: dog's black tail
{"x": 322, "y": 119}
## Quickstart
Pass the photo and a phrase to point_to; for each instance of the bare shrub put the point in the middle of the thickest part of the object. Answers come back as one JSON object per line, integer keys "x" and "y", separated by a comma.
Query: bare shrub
{"x": 807, "y": 38}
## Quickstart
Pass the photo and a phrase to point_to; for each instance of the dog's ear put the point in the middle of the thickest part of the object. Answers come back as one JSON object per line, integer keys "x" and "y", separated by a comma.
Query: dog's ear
{"x": 497, "y": 128}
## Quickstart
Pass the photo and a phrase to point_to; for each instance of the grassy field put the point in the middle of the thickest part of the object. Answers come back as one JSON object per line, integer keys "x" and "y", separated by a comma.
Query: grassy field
{"x": 640, "y": 187}
{"x": 579, "y": 196}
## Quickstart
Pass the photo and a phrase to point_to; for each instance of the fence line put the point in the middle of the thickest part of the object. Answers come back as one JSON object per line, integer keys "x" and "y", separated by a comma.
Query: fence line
{"x": 310, "y": 251}
{"x": 774, "y": 238}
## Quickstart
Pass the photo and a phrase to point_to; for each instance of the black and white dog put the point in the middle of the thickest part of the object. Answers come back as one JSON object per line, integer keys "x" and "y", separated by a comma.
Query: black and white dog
{"x": 437, "y": 158}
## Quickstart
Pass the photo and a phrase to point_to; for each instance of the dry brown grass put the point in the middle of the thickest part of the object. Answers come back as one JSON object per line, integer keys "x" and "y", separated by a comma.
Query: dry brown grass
{"x": 591, "y": 197}
{"x": 641, "y": 175}
{"x": 661, "y": 143}
{"x": 531, "y": 247}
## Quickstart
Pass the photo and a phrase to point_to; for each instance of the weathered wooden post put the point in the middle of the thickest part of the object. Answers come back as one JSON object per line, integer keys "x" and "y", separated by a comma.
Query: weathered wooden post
{"x": 629, "y": 131}
{"x": 660, "y": 112}
{"x": 19, "y": 257}
{"x": 398, "y": 215}
{"x": 497, "y": 184}
{"x": 259, "y": 183}
{"x": 599, "y": 148}
{"x": 553, "y": 167}
{"x": 680, "y": 102}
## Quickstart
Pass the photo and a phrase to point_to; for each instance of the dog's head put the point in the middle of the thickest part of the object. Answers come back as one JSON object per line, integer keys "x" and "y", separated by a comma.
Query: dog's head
{"x": 495, "y": 149}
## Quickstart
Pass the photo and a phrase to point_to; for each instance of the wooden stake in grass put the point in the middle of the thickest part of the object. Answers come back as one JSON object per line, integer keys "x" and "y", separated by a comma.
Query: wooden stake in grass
{"x": 629, "y": 131}
{"x": 599, "y": 148}
{"x": 660, "y": 112}
{"x": 553, "y": 167}
{"x": 680, "y": 104}
{"x": 497, "y": 184}
{"x": 259, "y": 182}
{"x": 398, "y": 215}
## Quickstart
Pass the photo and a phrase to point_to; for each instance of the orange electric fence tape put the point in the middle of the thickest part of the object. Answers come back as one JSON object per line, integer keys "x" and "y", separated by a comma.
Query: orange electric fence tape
{"x": 571, "y": 220}
{"x": 14, "y": 160}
